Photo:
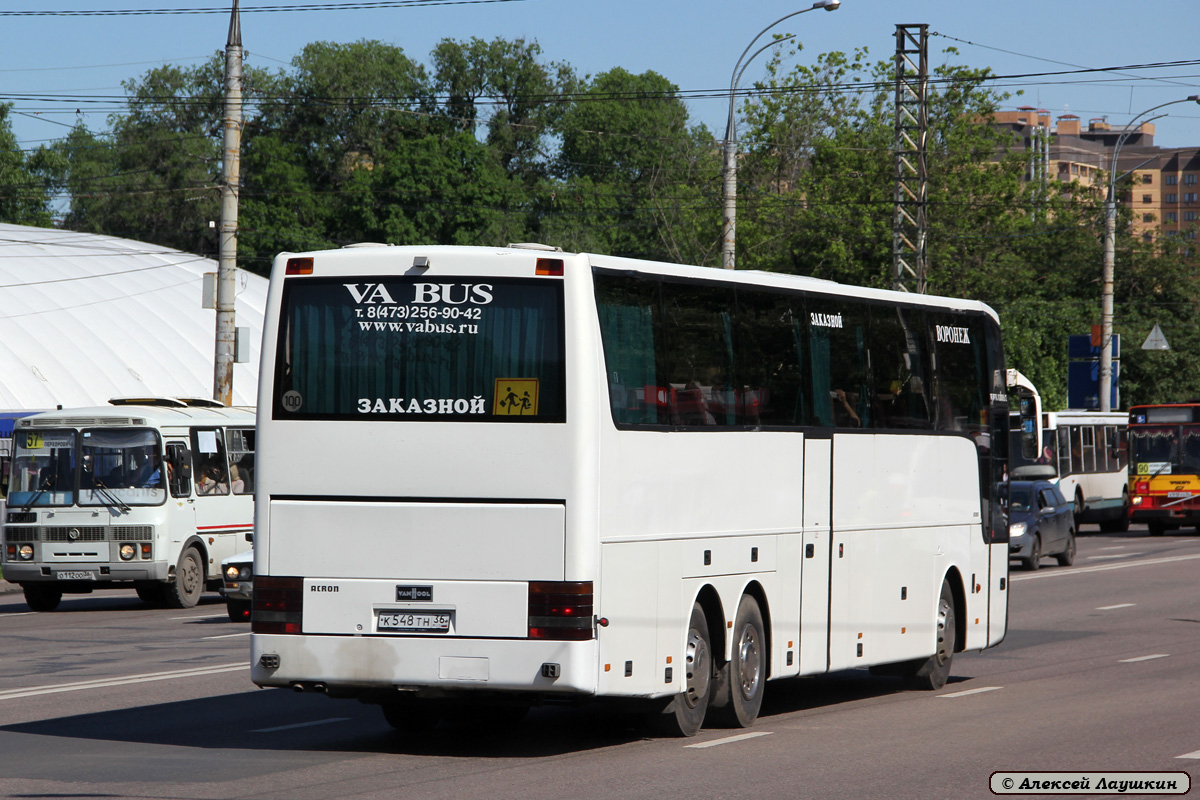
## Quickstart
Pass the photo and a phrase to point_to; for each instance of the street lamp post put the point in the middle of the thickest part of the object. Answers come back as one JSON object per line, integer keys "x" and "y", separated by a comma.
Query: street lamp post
{"x": 1110, "y": 234}
{"x": 729, "y": 227}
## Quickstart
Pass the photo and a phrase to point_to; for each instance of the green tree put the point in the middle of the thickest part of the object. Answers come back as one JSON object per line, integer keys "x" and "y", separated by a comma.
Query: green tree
{"x": 24, "y": 188}
{"x": 636, "y": 178}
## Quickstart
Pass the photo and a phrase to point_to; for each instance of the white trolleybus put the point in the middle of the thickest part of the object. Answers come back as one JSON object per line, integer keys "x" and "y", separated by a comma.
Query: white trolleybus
{"x": 1085, "y": 452}
{"x": 495, "y": 476}
{"x": 149, "y": 493}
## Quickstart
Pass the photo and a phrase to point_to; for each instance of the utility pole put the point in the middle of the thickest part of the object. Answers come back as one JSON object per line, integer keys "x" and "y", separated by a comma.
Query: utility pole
{"x": 910, "y": 226}
{"x": 230, "y": 178}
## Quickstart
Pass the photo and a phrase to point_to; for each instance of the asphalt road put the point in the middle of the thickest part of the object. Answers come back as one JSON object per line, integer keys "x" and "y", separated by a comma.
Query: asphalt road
{"x": 1100, "y": 671}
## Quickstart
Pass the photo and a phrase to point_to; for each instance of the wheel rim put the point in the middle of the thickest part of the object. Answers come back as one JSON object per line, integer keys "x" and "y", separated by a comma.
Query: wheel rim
{"x": 944, "y": 644}
{"x": 697, "y": 669}
{"x": 749, "y": 655}
{"x": 191, "y": 576}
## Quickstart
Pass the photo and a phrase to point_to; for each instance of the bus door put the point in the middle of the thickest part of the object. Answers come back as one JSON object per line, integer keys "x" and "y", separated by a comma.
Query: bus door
{"x": 181, "y": 506}
{"x": 218, "y": 522}
{"x": 814, "y": 564}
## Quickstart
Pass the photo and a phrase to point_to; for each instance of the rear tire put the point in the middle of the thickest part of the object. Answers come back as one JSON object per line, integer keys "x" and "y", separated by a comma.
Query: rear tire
{"x": 412, "y": 715}
{"x": 933, "y": 673}
{"x": 1067, "y": 557}
{"x": 684, "y": 715}
{"x": 738, "y": 697}
{"x": 1077, "y": 509}
{"x": 1035, "y": 555}
{"x": 1118, "y": 524}
{"x": 238, "y": 610}
{"x": 185, "y": 590}
{"x": 40, "y": 597}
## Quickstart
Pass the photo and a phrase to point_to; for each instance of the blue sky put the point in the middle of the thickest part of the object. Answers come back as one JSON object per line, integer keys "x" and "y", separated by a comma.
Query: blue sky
{"x": 694, "y": 43}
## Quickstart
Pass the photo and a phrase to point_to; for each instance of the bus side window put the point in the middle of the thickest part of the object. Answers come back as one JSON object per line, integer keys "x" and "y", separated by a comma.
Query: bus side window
{"x": 241, "y": 460}
{"x": 179, "y": 469}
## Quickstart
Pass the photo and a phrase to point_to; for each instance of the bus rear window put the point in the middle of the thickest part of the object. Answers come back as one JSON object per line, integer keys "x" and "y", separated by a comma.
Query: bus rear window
{"x": 420, "y": 348}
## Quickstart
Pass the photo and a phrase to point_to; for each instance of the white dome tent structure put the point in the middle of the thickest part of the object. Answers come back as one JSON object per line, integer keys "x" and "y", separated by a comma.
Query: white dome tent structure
{"x": 85, "y": 318}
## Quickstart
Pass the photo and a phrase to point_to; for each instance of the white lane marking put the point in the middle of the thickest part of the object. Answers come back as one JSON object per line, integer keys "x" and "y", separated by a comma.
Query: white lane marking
{"x": 1113, "y": 555}
{"x": 1143, "y": 658}
{"x": 301, "y": 725}
{"x": 198, "y": 616}
{"x": 12, "y": 694}
{"x": 1196, "y": 754}
{"x": 980, "y": 690}
{"x": 225, "y": 636}
{"x": 1115, "y": 547}
{"x": 1118, "y": 605}
{"x": 730, "y": 739}
{"x": 18, "y": 614}
{"x": 1058, "y": 573}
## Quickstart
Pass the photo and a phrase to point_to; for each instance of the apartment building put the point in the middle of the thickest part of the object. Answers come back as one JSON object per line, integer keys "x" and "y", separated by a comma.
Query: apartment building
{"x": 1165, "y": 192}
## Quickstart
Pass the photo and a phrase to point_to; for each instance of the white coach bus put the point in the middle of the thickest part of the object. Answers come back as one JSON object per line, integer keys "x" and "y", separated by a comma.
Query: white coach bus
{"x": 511, "y": 475}
{"x": 146, "y": 492}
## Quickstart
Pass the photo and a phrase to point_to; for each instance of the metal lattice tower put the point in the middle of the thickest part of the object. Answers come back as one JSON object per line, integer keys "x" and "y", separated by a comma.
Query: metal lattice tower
{"x": 910, "y": 226}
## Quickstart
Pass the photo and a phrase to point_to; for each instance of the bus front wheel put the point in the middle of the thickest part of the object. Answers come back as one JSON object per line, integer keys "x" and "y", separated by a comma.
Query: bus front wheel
{"x": 738, "y": 695}
{"x": 185, "y": 590}
{"x": 42, "y": 598}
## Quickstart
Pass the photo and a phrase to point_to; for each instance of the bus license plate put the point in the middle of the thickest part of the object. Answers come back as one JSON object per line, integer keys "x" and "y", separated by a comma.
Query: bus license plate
{"x": 1179, "y": 494}
{"x": 414, "y": 621}
{"x": 75, "y": 575}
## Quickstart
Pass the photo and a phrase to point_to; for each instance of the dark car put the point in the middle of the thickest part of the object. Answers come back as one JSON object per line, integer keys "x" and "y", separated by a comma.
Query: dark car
{"x": 238, "y": 585}
{"x": 1040, "y": 523}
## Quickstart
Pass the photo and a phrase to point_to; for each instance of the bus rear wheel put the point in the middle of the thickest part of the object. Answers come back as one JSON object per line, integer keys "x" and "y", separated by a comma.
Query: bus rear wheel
{"x": 185, "y": 590}
{"x": 738, "y": 695}
{"x": 412, "y": 715}
{"x": 684, "y": 715}
{"x": 933, "y": 672}
{"x": 42, "y": 598}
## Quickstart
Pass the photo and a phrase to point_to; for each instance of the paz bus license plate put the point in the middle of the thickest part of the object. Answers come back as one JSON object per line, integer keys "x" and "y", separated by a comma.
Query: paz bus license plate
{"x": 75, "y": 575}
{"x": 414, "y": 621}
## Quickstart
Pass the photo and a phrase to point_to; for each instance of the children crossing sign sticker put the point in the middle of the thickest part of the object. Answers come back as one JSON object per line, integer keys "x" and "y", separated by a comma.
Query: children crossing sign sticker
{"x": 516, "y": 397}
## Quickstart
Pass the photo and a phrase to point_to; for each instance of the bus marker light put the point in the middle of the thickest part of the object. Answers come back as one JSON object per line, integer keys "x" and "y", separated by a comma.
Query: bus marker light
{"x": 550, "y": 266}
{"x": 299, "y": 266}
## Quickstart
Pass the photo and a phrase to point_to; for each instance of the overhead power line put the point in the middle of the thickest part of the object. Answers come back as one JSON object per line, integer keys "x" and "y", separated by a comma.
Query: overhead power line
{"x": 143, "y": 12}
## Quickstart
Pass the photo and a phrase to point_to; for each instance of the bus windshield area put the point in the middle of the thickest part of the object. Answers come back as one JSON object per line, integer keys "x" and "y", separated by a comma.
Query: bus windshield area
{"x": 116, "y": 468}
{"x": 1165, "y": 449}
{"x": 421, "y": 349}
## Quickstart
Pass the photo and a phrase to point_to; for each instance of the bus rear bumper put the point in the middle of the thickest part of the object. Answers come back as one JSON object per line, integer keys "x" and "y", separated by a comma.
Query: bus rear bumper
{"x": 1173, "y": 516}
{"x": 362, "y": 666}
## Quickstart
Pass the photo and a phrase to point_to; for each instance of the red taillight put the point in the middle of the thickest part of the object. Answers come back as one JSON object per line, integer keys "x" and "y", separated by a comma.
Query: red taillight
{"x": 1142, "y": 488}
{"x": 278, "y": 605}
{"x": 561, "y": 610}
{"x": 550, "y": 266}
{"x": 299, "y": 266}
